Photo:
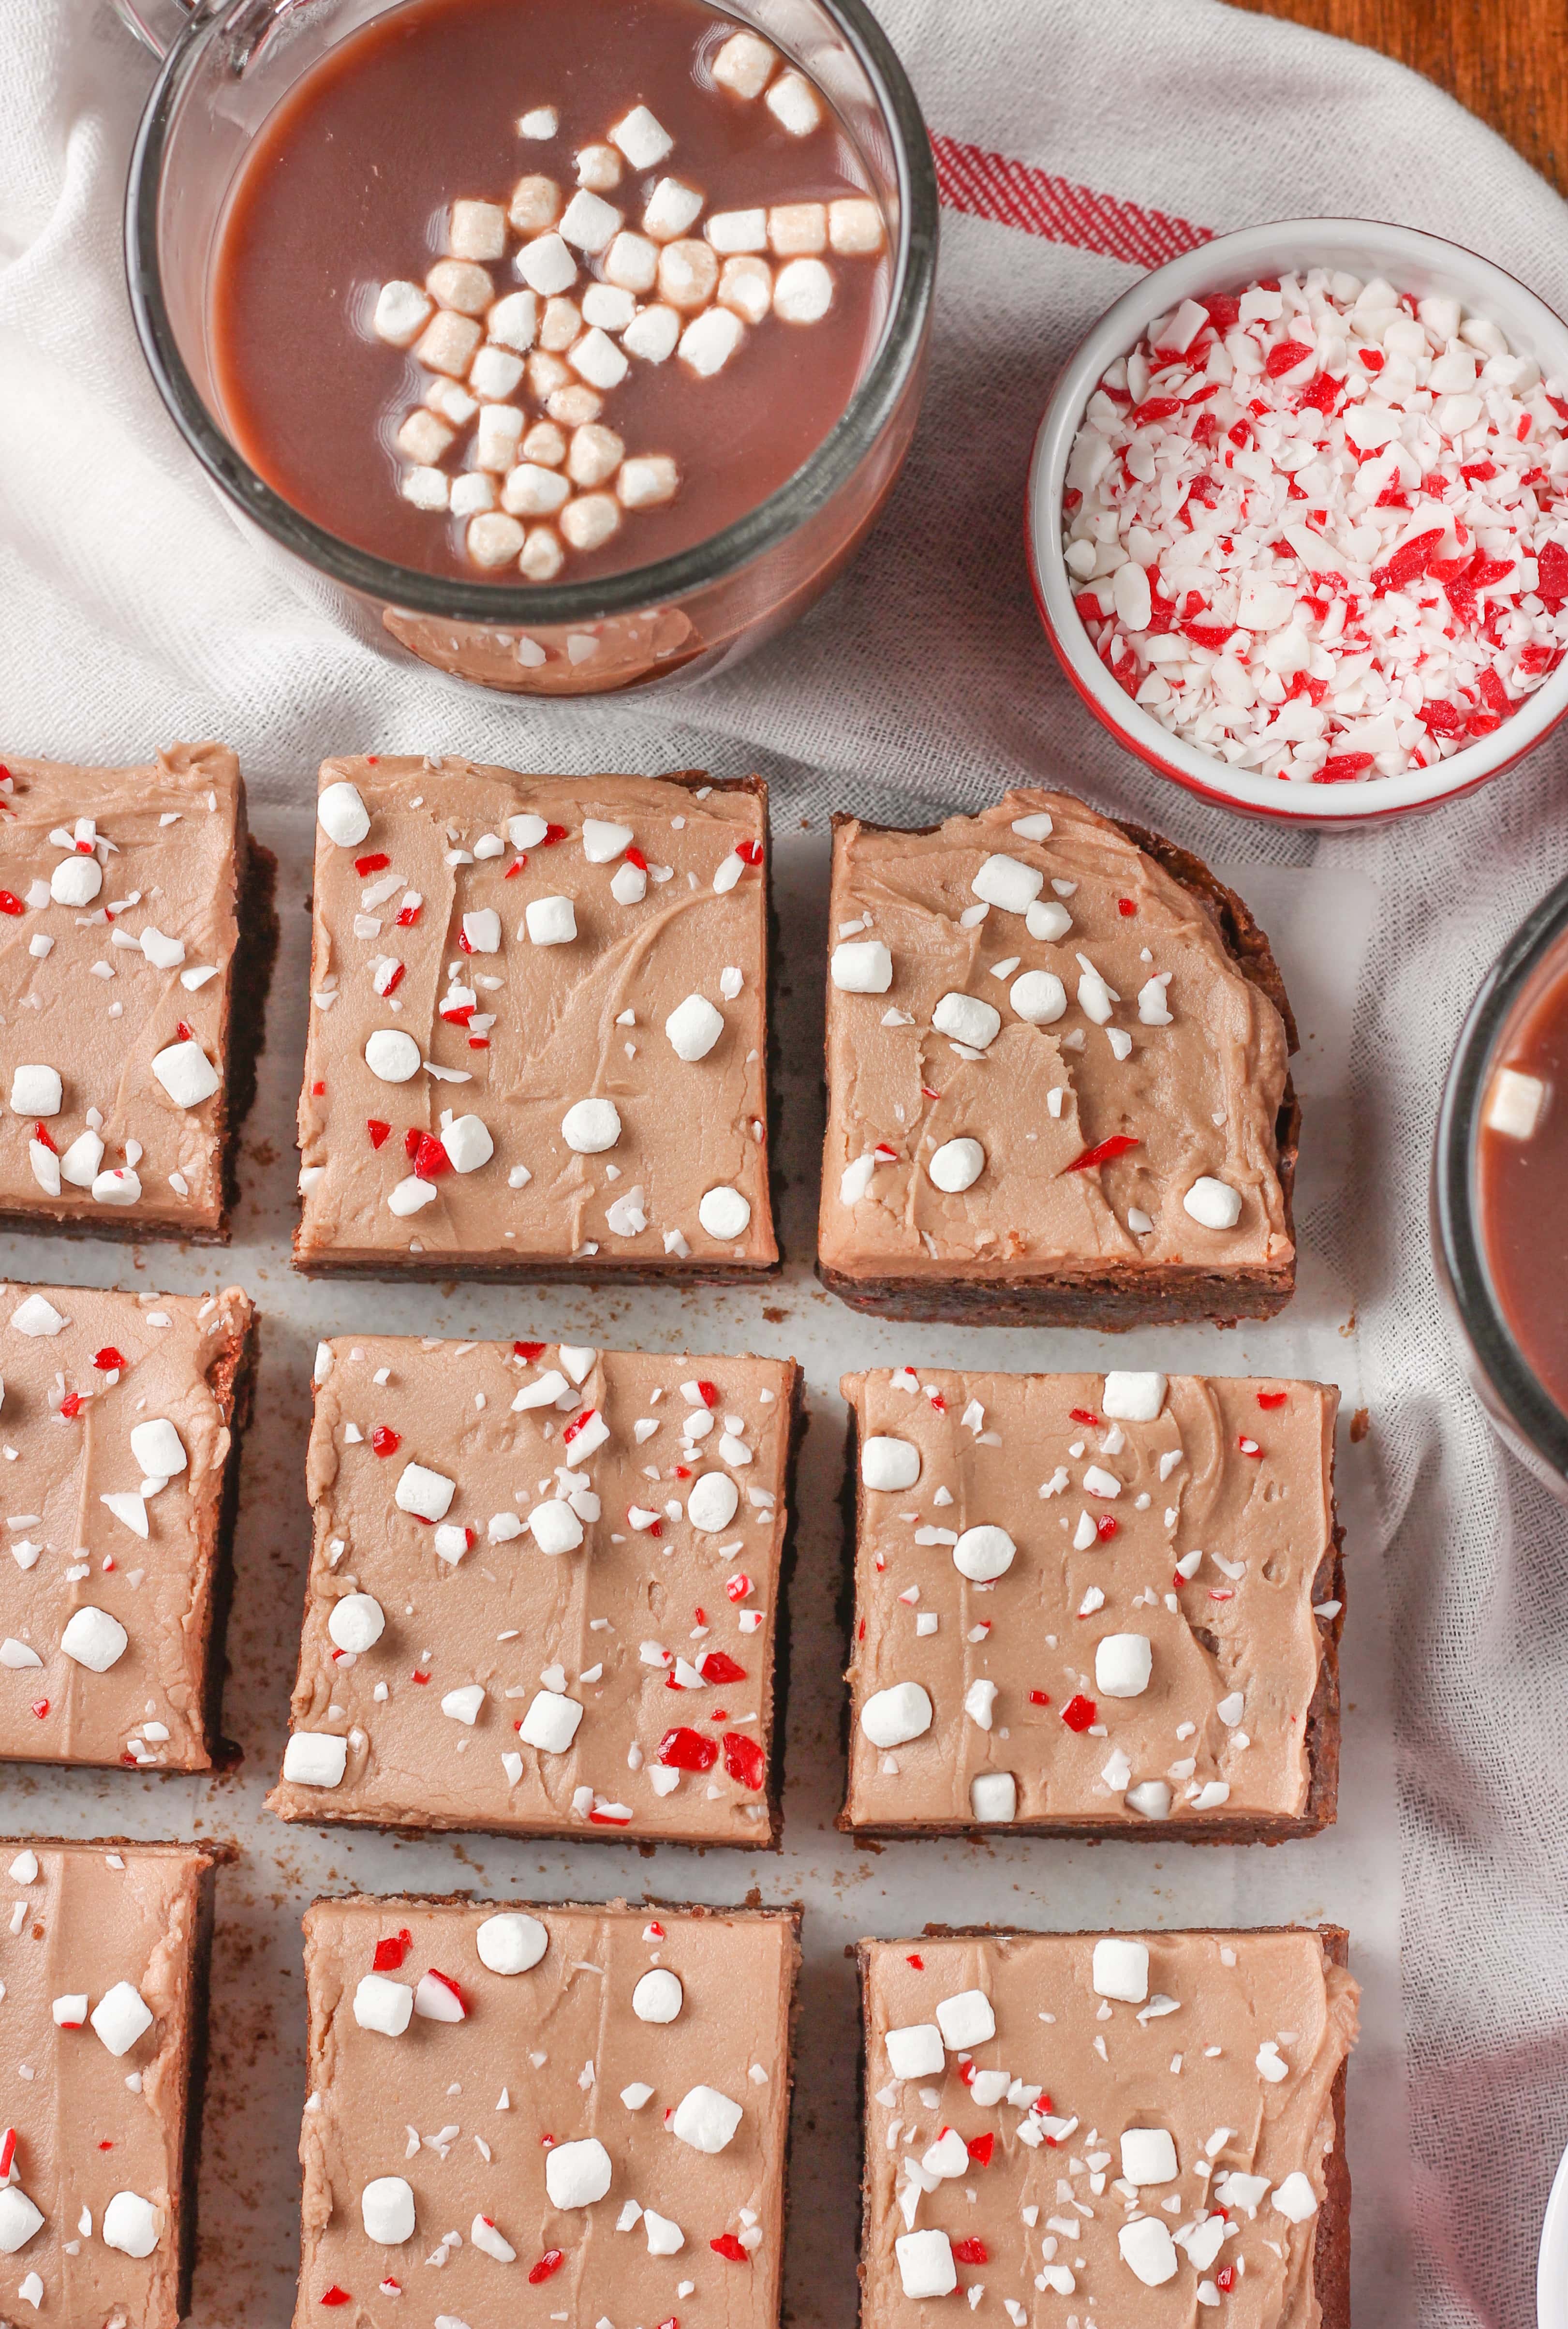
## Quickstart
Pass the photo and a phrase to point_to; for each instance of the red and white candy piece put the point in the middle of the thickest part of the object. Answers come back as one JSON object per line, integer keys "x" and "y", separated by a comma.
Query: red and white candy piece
{"x": 438, "y": 1998}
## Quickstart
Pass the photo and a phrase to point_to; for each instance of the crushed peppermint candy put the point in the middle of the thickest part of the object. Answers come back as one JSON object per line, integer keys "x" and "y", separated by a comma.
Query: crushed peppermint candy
{"x": 1320, "y": 529}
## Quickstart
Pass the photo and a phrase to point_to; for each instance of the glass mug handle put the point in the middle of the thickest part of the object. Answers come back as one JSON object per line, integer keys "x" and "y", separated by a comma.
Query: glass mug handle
{"x": 160, "y": 22}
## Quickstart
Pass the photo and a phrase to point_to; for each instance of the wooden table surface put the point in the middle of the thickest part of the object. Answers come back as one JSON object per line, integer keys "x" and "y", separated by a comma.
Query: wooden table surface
{"x": 1506, "y": 60}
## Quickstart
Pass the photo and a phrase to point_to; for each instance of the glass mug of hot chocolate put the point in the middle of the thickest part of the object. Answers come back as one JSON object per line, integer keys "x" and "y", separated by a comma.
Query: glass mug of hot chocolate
{"x": 1500, "y": 1192}
{"x": 567, "y": 348}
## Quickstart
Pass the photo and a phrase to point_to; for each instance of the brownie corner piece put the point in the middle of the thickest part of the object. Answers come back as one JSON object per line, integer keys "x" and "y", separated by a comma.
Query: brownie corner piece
{"x": 538, "y": 1036}
{"x": 631, "y": 2068}
{"x": 123, "y": 1415}
{"x": 105, "y": 1975}
{"x": 142, "y": 932}
{"x": 543, "y": 1592}
{"x": 1058, "y": 1085}
{"x": 1202, "y": 2073}
{"x": 1094, "y": 1606}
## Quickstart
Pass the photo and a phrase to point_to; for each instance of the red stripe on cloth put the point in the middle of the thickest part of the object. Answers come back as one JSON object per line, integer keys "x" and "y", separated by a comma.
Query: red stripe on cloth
{"x": 1015, "y": 193}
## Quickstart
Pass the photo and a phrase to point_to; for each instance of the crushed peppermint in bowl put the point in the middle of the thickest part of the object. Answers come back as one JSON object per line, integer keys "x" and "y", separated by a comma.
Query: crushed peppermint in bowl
{"x": 1300, "y": 541}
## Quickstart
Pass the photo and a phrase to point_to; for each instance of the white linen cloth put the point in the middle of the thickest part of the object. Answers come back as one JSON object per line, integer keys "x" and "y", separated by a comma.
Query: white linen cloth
{"x": 132, "y": 612}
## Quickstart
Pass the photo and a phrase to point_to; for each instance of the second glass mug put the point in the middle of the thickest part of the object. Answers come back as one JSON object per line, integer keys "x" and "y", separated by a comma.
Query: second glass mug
{"x": 226, "y": 64}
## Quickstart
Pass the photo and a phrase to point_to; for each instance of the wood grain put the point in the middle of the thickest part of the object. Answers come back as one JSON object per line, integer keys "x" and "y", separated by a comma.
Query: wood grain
{"x": 1506, "y": 60}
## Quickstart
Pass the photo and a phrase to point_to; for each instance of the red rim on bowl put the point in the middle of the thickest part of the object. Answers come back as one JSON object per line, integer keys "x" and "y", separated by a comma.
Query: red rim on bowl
{"x": 1423, "y": 264}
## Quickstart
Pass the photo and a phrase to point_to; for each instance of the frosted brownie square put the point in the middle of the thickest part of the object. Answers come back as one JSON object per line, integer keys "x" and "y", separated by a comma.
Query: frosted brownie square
{"x": 579, "y": 2113}
{"x": 1094, "y": 1605}
{"x": 1058, "y": 1087}
{"x": 137, "y": 936}
{"x": 543, "y": 1592}
{"x": 1090, "y": 2118}
{"x": 120, "y": 1417}
{"x": 538, "y": 1025}
{"x": 104, "y": 1959}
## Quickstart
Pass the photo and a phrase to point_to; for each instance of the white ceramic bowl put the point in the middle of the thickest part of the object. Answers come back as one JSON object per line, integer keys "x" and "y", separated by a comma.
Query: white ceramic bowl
{"x": 1411, "y": 261}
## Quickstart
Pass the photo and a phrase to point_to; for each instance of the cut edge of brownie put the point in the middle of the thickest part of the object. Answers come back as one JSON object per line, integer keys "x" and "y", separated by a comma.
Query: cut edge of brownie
{"x": 1331, "y": 2237}
{"x": 193, "y": 2047}
{"x": 1115, "y": 1298}
{"x": 602, "y": 1272}
{"x": 1321, "y": 1740}
{"x": 771, "y": 1838}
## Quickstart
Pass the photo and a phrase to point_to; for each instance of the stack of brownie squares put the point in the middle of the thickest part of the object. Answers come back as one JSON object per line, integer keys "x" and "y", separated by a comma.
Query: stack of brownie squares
{"x": 546, "y": 1581}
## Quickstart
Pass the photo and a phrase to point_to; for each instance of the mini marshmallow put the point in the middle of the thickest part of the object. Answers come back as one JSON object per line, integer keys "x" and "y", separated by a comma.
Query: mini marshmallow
{"x": 467, "y": 1143}
{"x": 893, "y": 1716}
{"x": 596, "y": 455}
{"x": 1048, "y": 921}
{"x": 916, "y": 2052}
{"x": 447, "y": 344}
{"x": 589, "y": 223}
{"x": 492, "y": 539}
{"x": 642, "y": 483}
{"x": 642, "y": 138}
{"x": 427, "y": 1494}
{"x": 984, "y": 1553}
{"x": 724, "y": 1213}
{"x": 1120, "y": 1970}
{"x": 632, "y": 263}
{"x": 708, "y": 344}
{"x": 37, "y": 1092}
{"x": 890, "y": 1464}
{"x": 1148, "y": 2250}
{"x": 535, "y": 204}
{"x": 19, "y": 2219}
{"x": 1513, "y": 1103}
{"x": 157, "y": 1448}
{"x": 965, "y": 2020}
{"x": 315, "y": 1758}
{"x": 511, "y": 1943}
{"x": 386, "y": 2209}
{"x": 743, "y": 64}
{"x": 966, "y": 1019}
{"x": 531, "y": 490}
{"x": 1039, "y": 998}
{"x": 356, "y": 1623}
{"x": 495, "y": 438}
{"x": 589, "y": 520}
{"x": 76, "y": 881}
{"x": 402, "y": 313}
{"x": 409, "y": 1195}
{"x": 706, "y": 2119}
{"x": 1148, "y": 2155}
{"x": 391, "y": 1056}
{"x": 693, "y": 1027}
{"x": 688, "y": 277}
{"x": 1007, "y": 882}
{"x": 1122, "y": 1665}
{"x": 551, "y": 921}
{"x": 1213, "y": 1202}
{"x": 541, "y": 121}
{"x": 712, "y": 1502}
{"x": 746, "y": 288}
{"x": 551, "y": 1722}
{"x": 1295, "y": 2199}
{"x": 658, "y": 1996}
{"x": 555, "y": 1526}
{"x": 94, "y": 1639}
{"x": 186, "y": 1074}
{"x": 544, "y": 444}
{"x": 121, "y": 2017}
{"x": 494, "y": 373}
{"x": 854, "y": 229}
{"x": 956, "y": 1165}
{"x": 794, "y": 104}
{"x": 798, "y": 230}
{"x": 599, "y": 361}
{"x": 651, "y": 335}
{"x": 730, "y": 232}
{"x": 599, "y": 168}
{"x": 994, "y": 1797}
{"x": 477, "y": 230}
{"x": 1133, "y": 1398}
{"x": 862, "y": 967}
{"x": 131, "y": 2224}
{"x": 514, "y": 321}
{"x": 577, "y": 2174}
{"x": 802, "y": 291}
{"x": 672, "y": 208}
{"x": 546, "y": 265}
{"x": 458, "y": 284}
{"x": 925, "y": 2264}
{"x": 589, "y": 1127}
{"x": 382, "y": 2006}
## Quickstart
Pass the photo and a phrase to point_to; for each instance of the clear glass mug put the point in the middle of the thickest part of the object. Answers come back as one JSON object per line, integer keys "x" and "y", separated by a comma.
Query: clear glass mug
{"x": 1521, "y": 1409}
{"x": 226, "y": 64}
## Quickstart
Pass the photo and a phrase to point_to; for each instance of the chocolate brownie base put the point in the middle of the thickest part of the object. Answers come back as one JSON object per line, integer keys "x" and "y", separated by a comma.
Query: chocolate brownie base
{"x": 1116, "y": 1297}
